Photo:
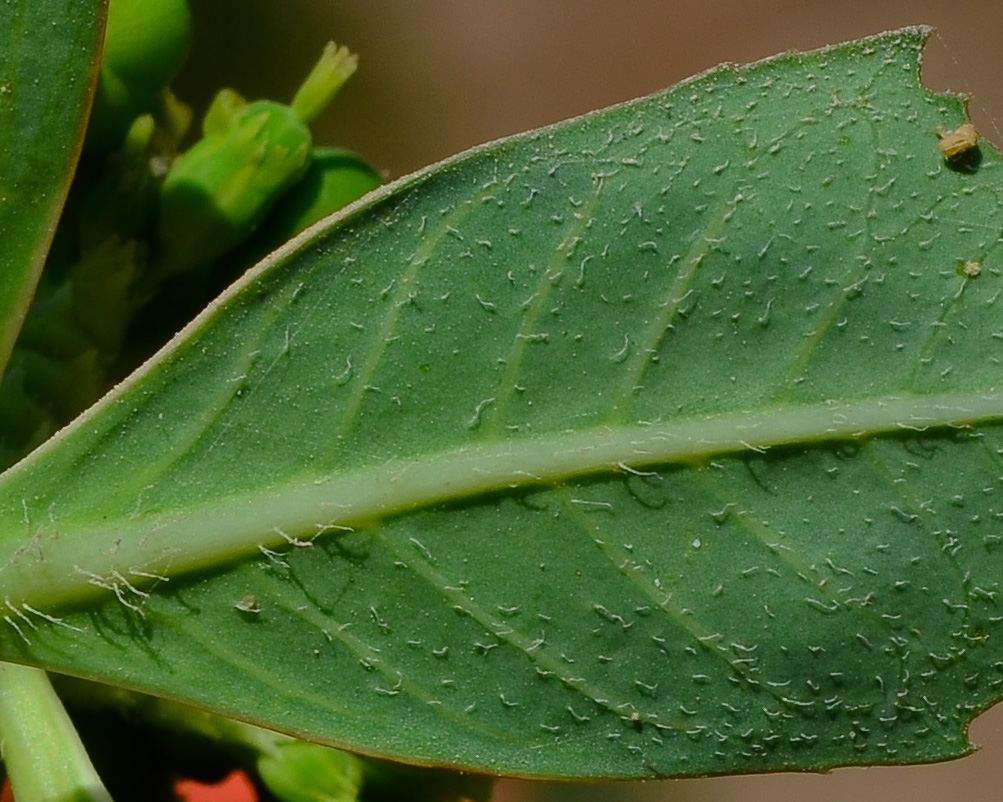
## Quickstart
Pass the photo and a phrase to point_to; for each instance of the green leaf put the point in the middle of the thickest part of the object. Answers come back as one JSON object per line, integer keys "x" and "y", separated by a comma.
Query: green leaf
{"x": 48, "y": 69}
{"x": 664, "y": 441}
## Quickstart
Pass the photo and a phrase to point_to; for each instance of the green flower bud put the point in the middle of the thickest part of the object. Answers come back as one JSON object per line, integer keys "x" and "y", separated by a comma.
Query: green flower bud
{"x": 335, "y": 178}
{"x": 217, "y": 193}
{"x": 146, "y": 42}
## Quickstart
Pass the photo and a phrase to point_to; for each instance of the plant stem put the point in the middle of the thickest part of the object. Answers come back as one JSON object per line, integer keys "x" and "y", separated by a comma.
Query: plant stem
{"x": 44, "y": 757}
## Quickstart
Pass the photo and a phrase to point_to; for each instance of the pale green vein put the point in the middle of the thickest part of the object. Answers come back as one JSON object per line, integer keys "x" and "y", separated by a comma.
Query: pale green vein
{"x": 912, "y": 506}
{"x": 248, "y": 666}
{"x": 786, "y": 556}
{"x": 401, "y": 290}
{"x": 398, "y": 681}
{"x": 217, "y": 401}
{"x": 857, "y": 276}
{"x": 661, "y": 601}
{"x": 529, "y": 328}
{"x": 175, "y": 542}
{"x": 677, "y": 296}
{"x": 796, "y": 564}
{"x": 505, "y": 632}
{"x": 939, "y": 333}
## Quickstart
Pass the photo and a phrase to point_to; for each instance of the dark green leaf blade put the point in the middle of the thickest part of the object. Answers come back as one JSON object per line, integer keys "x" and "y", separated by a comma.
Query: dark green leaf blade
{"x": 49, "y": 55}
{"x": 662, "y": 441}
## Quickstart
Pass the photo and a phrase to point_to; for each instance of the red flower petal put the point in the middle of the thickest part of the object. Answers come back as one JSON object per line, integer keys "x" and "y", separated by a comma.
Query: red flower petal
{"x": 235, "y": 788}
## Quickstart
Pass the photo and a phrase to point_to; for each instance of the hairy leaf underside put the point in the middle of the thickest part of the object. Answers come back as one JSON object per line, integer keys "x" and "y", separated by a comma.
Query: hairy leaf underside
{"x": 663, "y": 441}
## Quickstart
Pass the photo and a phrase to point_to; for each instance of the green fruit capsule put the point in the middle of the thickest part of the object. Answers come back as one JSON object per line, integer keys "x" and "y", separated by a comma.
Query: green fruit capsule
{"x": 146, "y": 42}
{"x": 219, "y": 191}
{"x": 335, "y": 178}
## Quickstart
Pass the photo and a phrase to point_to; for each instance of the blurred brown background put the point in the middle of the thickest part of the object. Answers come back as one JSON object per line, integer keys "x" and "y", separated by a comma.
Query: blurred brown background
{"x": 438, "y": 77}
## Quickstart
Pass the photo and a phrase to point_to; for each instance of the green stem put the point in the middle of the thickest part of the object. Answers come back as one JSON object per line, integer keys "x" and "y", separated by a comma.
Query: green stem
{"x": 44, "y": 757}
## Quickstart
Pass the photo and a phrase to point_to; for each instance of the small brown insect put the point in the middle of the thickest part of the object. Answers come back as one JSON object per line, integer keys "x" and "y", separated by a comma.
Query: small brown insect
{"x": 249, "y": 604}
{"x": 957, "y": 144}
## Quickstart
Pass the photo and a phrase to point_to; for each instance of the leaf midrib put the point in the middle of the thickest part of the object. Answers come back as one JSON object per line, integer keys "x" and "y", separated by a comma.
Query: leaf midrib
{"x": 173, "y": 542}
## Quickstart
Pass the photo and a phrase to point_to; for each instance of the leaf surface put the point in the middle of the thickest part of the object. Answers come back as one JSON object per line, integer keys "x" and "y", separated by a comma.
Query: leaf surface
{"x": 663, "y": 441}
{"x": 49, "y": 56}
